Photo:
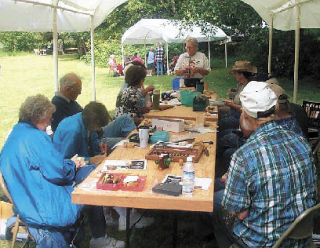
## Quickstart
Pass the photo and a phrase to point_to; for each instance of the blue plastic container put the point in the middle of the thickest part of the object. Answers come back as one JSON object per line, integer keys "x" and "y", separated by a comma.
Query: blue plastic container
{"x": 159, "y": 136}
{"x": 176, "y": 83}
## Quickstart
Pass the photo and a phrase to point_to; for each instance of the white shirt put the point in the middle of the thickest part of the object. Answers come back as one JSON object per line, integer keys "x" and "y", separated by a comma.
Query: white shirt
{"x": 198, "y": 60}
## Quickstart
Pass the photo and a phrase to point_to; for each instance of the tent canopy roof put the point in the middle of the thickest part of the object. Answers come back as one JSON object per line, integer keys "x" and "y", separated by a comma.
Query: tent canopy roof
{"x": 37, "y": 15}
{"x": 284, "y": 12}
{"x": 150, "y": 31}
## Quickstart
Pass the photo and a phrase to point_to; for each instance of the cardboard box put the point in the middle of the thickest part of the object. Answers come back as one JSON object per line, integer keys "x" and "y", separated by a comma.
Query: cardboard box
{"x": 167, "y": 124}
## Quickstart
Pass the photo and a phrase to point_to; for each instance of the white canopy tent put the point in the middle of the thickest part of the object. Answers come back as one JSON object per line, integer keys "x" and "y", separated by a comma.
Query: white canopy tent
{"x": 56, "y": 16}
{"x": 288, "y": 15}
{"x": 151, "y": 31}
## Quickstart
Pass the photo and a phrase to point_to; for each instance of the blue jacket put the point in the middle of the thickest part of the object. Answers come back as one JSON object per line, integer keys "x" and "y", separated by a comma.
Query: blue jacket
{"x": 71, "y": 137}
{"x": 38, "y": 178}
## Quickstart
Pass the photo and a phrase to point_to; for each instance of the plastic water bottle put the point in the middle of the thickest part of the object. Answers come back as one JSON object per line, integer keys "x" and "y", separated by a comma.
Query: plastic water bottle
{"x": 188, "y": 178}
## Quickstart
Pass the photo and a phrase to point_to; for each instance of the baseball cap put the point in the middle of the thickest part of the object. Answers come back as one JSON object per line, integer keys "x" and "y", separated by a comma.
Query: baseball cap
{"x": 257, "y": 99}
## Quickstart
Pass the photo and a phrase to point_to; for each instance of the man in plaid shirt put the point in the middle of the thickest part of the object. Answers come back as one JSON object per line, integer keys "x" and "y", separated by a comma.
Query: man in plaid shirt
{"x": 271, "y": 178}
{"x": 159, "y": 58}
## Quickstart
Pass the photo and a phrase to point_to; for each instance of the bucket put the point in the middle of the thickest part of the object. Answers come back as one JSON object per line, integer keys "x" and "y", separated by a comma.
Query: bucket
{"x": 176, "y": 83}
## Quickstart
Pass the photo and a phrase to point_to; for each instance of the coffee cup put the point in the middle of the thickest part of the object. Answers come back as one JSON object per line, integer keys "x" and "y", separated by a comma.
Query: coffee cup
{"x": 144, "y": 136}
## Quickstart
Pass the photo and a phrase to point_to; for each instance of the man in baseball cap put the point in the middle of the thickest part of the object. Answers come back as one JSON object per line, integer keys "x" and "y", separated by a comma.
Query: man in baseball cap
{"x": 262, "y": 175}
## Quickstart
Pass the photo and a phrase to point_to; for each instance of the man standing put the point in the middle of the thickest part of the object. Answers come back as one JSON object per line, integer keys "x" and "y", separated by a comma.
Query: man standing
{"x": 65, "y": 99}
{"x": 193, "y": 63}
{"x": 159, "y": 58}
{"x": 271, "y": 179}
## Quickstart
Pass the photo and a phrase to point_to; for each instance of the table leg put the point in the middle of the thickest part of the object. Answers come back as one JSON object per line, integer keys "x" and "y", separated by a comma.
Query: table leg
{"x": 128, "y": 230}
{"x": 175, "y": 229}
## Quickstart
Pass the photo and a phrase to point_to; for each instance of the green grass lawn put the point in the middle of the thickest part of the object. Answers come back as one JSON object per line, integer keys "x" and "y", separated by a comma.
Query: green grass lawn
{"x": 27, "y": 75}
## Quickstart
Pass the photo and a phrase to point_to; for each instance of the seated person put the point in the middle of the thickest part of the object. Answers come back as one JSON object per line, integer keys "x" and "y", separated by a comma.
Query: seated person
{"x": 173, "y": 63}
{"x": 192, "y": 64}
{"x": 144, "y": 93}
{"x": 268, "y": 185}
{"x": 114, "y": 67}
{"x": 243, "y": 71}
{"x": 128, "y": 100}
{"x": 232, "y": 139}
{"x": 65, "y": 99}
{"x": 40, "y": 180}
{"x": 71, "y": 136}
{"x": 138, "y": 59}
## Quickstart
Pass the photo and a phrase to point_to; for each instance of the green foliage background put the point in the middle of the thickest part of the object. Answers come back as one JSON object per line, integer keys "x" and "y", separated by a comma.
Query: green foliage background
{"x": 237, "y": 19}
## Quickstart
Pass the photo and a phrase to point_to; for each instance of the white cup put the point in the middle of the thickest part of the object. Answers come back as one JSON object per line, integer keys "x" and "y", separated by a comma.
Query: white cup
{"x": 144, "y": 136}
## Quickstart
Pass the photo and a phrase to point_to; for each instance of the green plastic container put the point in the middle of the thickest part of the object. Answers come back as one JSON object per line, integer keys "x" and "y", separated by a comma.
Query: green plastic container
{"x": 186, "y": 97}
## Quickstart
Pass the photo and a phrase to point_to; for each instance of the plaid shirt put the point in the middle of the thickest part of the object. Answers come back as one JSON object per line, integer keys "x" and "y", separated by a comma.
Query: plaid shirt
{"x": 273, "y": 176}
{"x": 159, "y": 54}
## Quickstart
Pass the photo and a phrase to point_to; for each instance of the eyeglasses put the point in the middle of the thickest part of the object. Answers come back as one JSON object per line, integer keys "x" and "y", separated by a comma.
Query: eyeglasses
{"x": 190, "y": 47}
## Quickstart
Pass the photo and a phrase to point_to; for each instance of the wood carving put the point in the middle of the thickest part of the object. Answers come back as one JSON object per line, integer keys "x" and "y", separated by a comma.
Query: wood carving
{"x": 176, "y": 153}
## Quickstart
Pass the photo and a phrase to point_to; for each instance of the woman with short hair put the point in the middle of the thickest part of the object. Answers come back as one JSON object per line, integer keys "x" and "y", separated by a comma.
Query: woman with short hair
{"x": 38, "y": 177}
{"x": 128, "y": 100}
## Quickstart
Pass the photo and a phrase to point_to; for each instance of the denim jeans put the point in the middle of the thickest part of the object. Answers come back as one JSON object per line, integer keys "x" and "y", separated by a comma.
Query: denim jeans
{"x": 218, "y": 192}
{"x": 61, "y": 238}
{"x": 159, "y": 68}
{"x": 45, "y": 238}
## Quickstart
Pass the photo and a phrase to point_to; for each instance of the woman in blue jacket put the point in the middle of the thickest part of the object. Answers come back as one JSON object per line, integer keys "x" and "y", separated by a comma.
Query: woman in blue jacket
{"x": 39, "y": 179}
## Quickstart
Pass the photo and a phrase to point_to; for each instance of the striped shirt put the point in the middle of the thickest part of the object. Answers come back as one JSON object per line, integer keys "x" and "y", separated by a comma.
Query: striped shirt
{"x": 273, "y": 176}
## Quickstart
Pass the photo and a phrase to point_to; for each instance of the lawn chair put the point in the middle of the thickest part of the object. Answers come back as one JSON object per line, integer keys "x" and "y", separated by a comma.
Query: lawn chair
{"x": 18, "y": 222}
{"x": 302, "y": 227}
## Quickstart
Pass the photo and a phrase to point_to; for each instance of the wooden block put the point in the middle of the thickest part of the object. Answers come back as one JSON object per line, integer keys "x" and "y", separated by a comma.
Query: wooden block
{"x": 6, "y": 210}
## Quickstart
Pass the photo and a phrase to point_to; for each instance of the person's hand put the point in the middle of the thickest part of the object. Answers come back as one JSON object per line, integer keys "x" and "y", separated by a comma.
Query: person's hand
{"x": 149, "y": 104}
{"x": 77, "y": 161}
{"x": 149, "y": 88}
{"x": 224, "y": 177}
{"x": 228, "y": 102}
{"x": 97, "y": 159}
{"x": 194, "y": 70}
{"x": 103, "y": 148}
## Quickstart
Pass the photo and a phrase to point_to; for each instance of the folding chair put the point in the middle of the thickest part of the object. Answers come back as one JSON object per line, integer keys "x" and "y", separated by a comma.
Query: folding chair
{"x": 302, "y": 227}
{"x": 18, "y": 222}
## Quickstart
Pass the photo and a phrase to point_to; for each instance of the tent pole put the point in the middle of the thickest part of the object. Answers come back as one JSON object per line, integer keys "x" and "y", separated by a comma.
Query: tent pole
{"x": 122, "y": 54}
{"x": 226, "y": 53}
{"x": 145, "y": 53}
{"x": 270, "y": 46}
{"x": 209, "y": 54}
{"x": 55, "y": 50}
{"x": 167, "y": 58}
{"x": 93, "y": 77}
{"x": 296, "y": 55}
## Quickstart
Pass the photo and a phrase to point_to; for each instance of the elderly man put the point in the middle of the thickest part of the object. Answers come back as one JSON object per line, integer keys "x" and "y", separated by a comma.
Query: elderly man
{"x": 271, "y": 179}
{"x": 192, "y": 64}
{"x": 65, "y": 99}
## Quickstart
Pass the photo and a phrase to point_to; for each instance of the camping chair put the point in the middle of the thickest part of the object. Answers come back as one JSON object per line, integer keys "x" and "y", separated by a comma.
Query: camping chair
{"x": 18, "y": 222}
{"x": 302, "y": 227}
{"x": 313, "y": 112}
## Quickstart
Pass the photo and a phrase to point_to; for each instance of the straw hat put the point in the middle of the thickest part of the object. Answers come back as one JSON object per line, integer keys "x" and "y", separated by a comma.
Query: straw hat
{"x": 243, "y": 65}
